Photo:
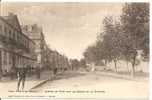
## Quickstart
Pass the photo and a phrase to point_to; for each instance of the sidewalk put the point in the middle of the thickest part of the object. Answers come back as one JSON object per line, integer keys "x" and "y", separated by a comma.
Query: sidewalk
{"x": 7, "y": 85}
{"x": 138, "y": 77}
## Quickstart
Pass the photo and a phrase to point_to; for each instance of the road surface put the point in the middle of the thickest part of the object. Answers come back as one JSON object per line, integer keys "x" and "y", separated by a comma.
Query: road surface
{"x": 107, "y": 86}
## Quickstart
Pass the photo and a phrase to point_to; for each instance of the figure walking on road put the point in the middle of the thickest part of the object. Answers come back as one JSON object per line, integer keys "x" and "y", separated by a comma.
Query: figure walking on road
{"x": 21, "y": 73}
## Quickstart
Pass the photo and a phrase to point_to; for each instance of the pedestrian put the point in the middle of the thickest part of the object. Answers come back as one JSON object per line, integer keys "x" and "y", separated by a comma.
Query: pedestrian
{"x": 21, "y": 73}
{"x": 54, "y": 71}
{"x": 38, "y": 70}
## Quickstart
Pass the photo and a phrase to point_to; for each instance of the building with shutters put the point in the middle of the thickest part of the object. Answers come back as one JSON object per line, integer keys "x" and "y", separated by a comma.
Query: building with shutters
{"x": 36, "y": 34}
{"x": 16, "y": 48}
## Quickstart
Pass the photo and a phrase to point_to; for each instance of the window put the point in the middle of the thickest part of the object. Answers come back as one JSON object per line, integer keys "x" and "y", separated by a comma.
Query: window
{"x": 17, "y": 37}
{"x": 5, "y": 58}
{"x": 1, "y": 29}
{"x": 9, "y": 35}
{"x": 17, "y": 60}
{"x": 5, "y": 31}
{"x": 13, "y": 36}
{"x": 25, "y": 44}
{"x": 28, "y": 43}
{"x": 10, "y": 58}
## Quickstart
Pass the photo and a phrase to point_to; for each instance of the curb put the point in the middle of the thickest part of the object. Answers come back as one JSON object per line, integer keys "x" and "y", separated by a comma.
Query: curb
{"x": 39, "y": 84}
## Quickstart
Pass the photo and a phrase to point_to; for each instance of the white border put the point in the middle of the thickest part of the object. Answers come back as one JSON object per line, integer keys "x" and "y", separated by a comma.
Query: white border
{"x": 75, "y": 1}
{"x": 105, "y": 1}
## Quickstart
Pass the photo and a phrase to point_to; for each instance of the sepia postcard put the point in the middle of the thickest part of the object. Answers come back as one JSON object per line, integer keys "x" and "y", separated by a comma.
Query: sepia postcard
{"x": 74, "y": 50}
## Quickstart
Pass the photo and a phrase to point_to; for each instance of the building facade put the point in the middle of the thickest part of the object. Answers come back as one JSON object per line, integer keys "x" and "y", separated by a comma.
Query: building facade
{"x": 36, "y": 34}
{"x": 16, "y": 48}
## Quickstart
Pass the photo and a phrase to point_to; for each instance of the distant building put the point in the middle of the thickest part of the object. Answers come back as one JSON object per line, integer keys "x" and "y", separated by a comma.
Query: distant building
{"x": 15, "y": 47}
{"x": 35, "y": 33}
{"x": 56, "y": 61}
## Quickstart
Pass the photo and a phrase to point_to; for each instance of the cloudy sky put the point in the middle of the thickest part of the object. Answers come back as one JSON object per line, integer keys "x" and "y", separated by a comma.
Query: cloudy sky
{"x": 68, "y": 27}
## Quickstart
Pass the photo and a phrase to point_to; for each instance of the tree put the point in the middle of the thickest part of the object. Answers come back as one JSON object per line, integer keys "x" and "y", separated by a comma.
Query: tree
{"x": 74, "y": 64}
{"x": 102, "y": 52}
{"x": 90, "y": 54}
{"x": 111, "y": 40}
{"x": 83, "y": 63}
{"x": 135, "y": 25}
{"x": 107, "y": 46}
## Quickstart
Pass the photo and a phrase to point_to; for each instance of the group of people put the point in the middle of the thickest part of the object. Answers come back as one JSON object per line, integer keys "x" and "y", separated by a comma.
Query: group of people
{"x": 21, "y": 75}
{"x": 22, "y": 72}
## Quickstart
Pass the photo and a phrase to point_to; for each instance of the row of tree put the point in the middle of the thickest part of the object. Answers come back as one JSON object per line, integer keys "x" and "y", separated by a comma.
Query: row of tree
{"x": 76, "y": 64}
{"x": 123, "y": 37}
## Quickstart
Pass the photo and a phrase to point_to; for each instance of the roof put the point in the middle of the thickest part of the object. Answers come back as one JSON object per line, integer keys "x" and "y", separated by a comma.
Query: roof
{"x": 33, "y": 31}
{"x": 13, "y": 20}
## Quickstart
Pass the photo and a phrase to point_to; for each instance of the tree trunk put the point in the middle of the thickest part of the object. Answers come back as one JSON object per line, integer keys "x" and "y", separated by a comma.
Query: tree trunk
{"x": 127, "y": 65}
{"x": 133, "y": 65}
{"x": 0, "y": 66}
{"x": 0, "y": 74}
{"x": 115, "y": 62}
{"x": 105, "y": 62}
{"x": 133, "y": 70}
{"x": 92, "y": 67}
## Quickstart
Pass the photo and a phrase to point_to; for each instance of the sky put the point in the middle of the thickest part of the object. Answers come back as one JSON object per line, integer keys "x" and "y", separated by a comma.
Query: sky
{"x": 68, "y": 28}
